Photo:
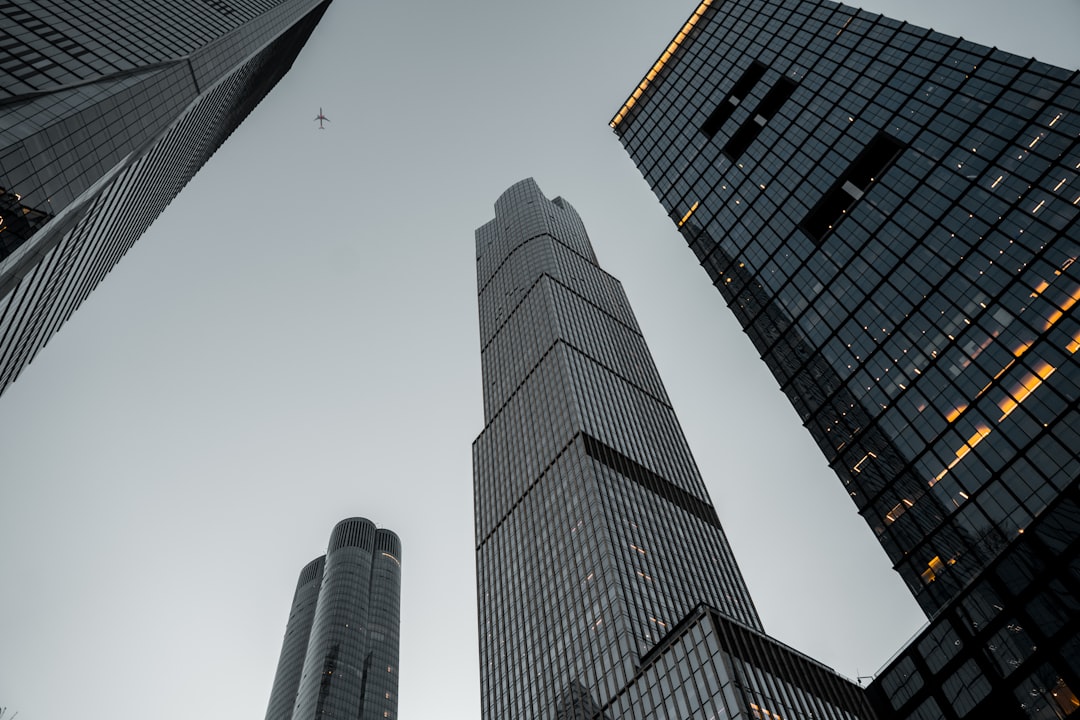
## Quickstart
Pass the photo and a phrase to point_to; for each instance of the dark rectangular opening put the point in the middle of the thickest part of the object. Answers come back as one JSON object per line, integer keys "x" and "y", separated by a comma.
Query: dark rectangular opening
{"x": 741, "y": 140}
{"x": 768, "y": 107}
{"x": 878, "y": 155}
{"x": 870, "y": 164}
{"x": 739, "y": 91}
{"x": 645, "y": 477}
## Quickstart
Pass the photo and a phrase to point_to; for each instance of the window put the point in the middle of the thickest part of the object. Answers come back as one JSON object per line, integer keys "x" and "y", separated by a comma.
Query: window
{"x": 741, "y": 89}
{"x": 878, "y": 155}
{"x": 766, "y": 109}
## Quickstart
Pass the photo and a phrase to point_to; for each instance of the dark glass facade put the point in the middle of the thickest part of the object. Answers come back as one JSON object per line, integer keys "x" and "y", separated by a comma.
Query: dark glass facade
{"x": 598, "y": 547}
{"x": 107, "y": 109}
{"x": 891, "y": 214}
{"x": 294, "y": 646}
{"x": 339, "y": 657}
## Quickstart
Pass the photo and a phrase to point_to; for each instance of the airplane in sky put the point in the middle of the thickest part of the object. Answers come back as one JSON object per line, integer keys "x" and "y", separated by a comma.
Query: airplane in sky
{"x": 320, "y": 117}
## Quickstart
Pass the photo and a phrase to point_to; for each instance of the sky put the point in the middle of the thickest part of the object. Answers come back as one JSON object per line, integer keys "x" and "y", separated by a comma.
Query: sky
{"x": 295, "y": 341}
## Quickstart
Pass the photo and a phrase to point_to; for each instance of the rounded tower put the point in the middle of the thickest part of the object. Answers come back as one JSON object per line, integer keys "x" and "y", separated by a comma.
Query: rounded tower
{"x": 350, "y": 667}
{"x": 294, "y": 646}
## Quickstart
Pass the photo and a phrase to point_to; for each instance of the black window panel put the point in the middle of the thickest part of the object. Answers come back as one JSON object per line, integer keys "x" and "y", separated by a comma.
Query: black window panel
{"x": 766, "y": 109}
{"x": 740, "y": 90}
{"x": 819, "y": 221}
{"x": 875, "y": 158}
{"x": 742, "y": 138}
{"x": 776, "y": 97}
{"x": 869, "y": 165}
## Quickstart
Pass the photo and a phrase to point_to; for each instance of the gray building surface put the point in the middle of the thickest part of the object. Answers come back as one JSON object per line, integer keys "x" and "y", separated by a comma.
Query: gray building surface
{"x": 107, "y": 109}
{"x": 606, "y": 586}
{"x": 294, "y": 646}
{"x": 891, "y": 213}
{"x": 339, "y": 657}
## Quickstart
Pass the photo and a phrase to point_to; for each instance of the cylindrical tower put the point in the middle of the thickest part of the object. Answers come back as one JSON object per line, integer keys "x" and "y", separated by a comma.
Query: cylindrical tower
{"x": 294, "y": 647}
{"x": 350, "y": 668}
{"x": 383, "y": 627}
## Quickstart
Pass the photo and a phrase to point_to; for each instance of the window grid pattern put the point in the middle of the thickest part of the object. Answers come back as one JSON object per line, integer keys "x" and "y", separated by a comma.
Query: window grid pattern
{"x": 710, "y": 667}
{"x": 583, "y": 560}
{"x": 49, "y": 43}
{"x": 1010, "y": 640}
{"x": 93, "y": 165}
{"x": 350, "y": 666}
{"x": 294, "y": 646}
{"x": 928, "y": 336}
{"x": 596, "y": 538}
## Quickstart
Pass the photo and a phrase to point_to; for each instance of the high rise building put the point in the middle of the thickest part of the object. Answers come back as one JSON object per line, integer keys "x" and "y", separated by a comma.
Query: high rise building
{"x": 891, "y": 214}
{"x": 339, "y": 657}
{"x": 107, "y": 109}
{"x": 606, "y": 586}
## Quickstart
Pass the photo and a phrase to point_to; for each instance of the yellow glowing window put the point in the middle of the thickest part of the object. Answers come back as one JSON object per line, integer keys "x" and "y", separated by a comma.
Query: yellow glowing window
{"x": 689, "y": 213}
{"x": 899, "y": 509}
{"x": 980, "y": 432}
{"x": 933, "y": 569}
{"x": 761, "y": 713}
{"x": 868, "y": 456}
{"x": 955, "y": 413}
{"x": 1027, "y": 385}
{"x": 1074, "y": 345}
{"x": 1064, "y": 698}
{"x": 656, "y": 68}
{"x": 1072, "y": 299}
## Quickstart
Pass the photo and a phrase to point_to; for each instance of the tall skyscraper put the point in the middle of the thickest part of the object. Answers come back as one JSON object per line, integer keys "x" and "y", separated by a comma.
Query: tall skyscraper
{"x": 107, "y": 109}
{"x": 339, "y": 657}
{"x": 891, "y": 214}
{"x": 606, "y": 586}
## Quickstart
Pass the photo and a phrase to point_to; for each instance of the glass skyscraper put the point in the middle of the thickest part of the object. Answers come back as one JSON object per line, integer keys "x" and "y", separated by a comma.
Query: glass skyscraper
{"x": 606, "y": 586}
{"x": 107, "y": 109}
{"x": 891, "y": 213}
{"x": 339, "y": 657}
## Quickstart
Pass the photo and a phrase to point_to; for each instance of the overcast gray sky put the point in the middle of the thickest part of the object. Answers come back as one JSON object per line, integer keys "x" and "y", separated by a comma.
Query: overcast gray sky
{"x": 295, "y": 342}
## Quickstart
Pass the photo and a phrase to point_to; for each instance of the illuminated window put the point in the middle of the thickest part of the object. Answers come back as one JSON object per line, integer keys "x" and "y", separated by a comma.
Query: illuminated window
{"x": 1027, "y": 385}
{"x": 980, "y": 434}
{"x": 955, "y": 413}
{"x": 865, "y": 458}
{"x": 899, "y": 509}
{"x": 689, "y": 213}
{"x": 659, "y": 65}
{"x": 933, "y": 568}
{"x": 1074, "y": 344}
